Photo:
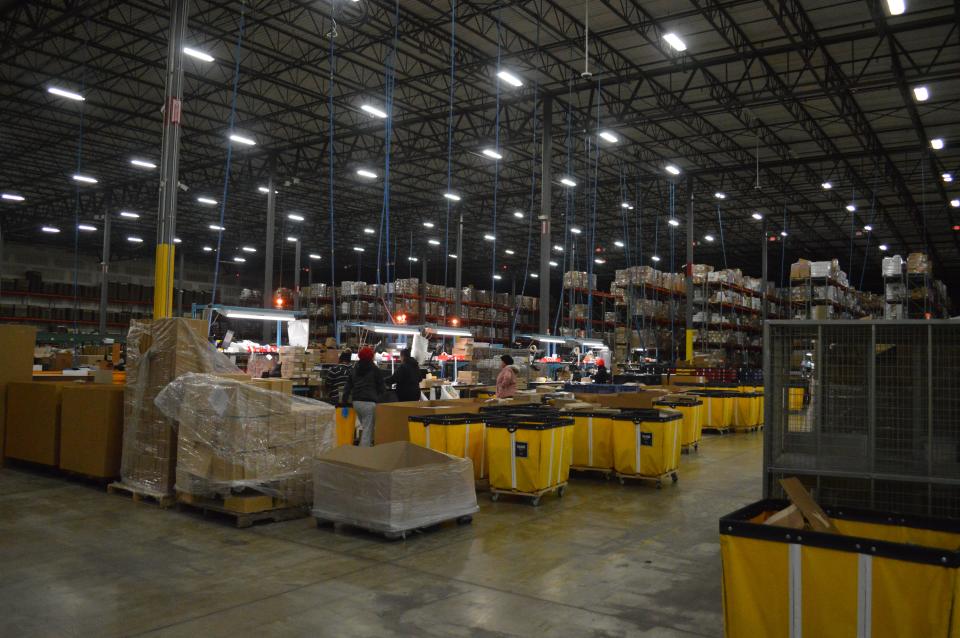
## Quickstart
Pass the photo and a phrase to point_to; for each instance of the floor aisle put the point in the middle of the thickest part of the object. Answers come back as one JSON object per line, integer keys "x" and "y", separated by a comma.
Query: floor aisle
{"x": 606, "y": 560}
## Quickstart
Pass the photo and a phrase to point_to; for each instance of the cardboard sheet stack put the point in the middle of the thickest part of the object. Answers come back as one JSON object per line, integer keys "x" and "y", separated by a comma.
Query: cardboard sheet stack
{"x": 236, "y": 436}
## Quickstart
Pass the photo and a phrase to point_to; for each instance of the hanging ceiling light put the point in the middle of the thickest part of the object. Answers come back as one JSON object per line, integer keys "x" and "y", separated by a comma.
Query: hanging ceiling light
{"x": 84, "y": 179}
{"x": 921, "y": 93}
{"x": 757, "y": 216}
{"x": 86, "y": 227}
{"x": 955, "y": 203}
{"x": 135, "y": 240}
{"x": 783, "y": 233}
{"x": 372, "y": 110}
{"x": 294, "y": 217}
{"x": 240, "y": 260}
{"x": 53, "y": 230}
{"x": 708, "y": 237}
{"x": 534, "y": 275}
{"x": 362, "y": 172}
{"x": 575, "y": 230}
{"x": 315, "y": 256}
{"x": 896, "y": 7}
{"x": 452, "y": 256}
{"x": 654, "y": 259}
{"x": 558, "y": 248}
{"x": 453, "y": 197}
{"x": 497, "y": 277}
{"x": 947, "y": 177}
{"x": 673, "y": 170}
{"x": 369, "y": 231}
{"x": 518, "y": 214}
{"x": 674, "y": 40}
{"x": 428, "y": 224}
{"x": 509, "y": 252}
{"x": 936, "y": 143}
{"x": 618, "y": 244}
{"x": 851, "y": 207}
{"x": 413, "y": 259}
{"x": 293, "y": 239}
{"x": 552, "y": 263}
{"x": 566, "y": 181}
{"x": 883, "y": 247}
{"x": 70, "y": 95}
{"x": 358, "y": 249}
{"x": 868, "y": 227}
{"x": 207, "y": 200}
{"x": 510, "y": 78}
{"x": 248, "y": 249}
{"x": 609, "y": 136}
{"x": 142, "y": 163}
{"x": 673, "y": 222}
{"x": 12, "y": 197}
{"x": 720, "y": 195}
{"x": 216, "y": 227}
{"x": 489, "y": 237}
{"x": 492, "y": 154}
{"x": 129, "y": 215}
{"x": 207, "y": 249}
{"x": 242, "y": 139}
{"x": 624, "y": 205}
{"x": 599, "y": 261}
{"x": 200, "y": 55}
{"x": 433, "y": 242}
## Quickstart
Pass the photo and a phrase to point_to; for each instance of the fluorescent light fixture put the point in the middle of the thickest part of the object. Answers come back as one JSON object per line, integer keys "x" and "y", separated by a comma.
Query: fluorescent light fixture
{"x": 264, "y": 315}
{"x": 390, "y": 330}
{"x": 369, "y": 231}
{"x": 518, "y": 214}
{"x": 177, "y": 240}
{"x": 433, "y": 242}
{"x": 452, "y": 332}
{"x": 358, "y": 249}
{"x": 610, "y": 137}
{"x": 129, "y": 215}
{"x": 921, "y": 93}
{"x": 947, "y": 177}
{"x": 84, "y": 179}
{"x": 264, "y": 190}
{"x": 70, "y": 95}
{"x": 143, "y": 163}
{"x": 510, "y": 78}
{"x": 208, "y": 201}
{"x": 618, "y": 244}
{"x": 883, "y": 247}
{"x": 249, "y": 249}
{"x": 558, "y": 248}
{"x": 534, "y": 275}
{"x": 315, "y": 256}
{"x": 240, "y": 260}
{"x": 453, "y": 197}
{"x": 673, "y": 170}
{"x": 955, "y": 203}
{"x": 362, "y": 172}
{"x": 896, "y": 7}
{"x": 294, "y": 217}
{"x": 654, "y": 259}
{"x": 624, "y": 205}
{"x": 868, "y": 228}
{"x": 590, "y": 343}
{"x": 207, "y": 249}
{"x": 826, "y": 186}
{"x": 452, "y": 256}
{"x": 757, "y": 216}
{"x": 547, "y": 339}
{"x": 293, "y": 239}
{"x": 200, "y": 55}
{"x": 216, "y": 227}
{"x": 497, "y": 277}
{"x": 936, "y": 143}
{"x": 490, "y": 237}
{"x": 428, "y": 224}
{"x": 720, "y": 195}
{"x": 492, "y": 154}
{"x": 673, "y": 222}
{"x": 12, "y": 197}
{"x": 53, "y": 230}
{"x": 135, "y": 240}
{"x": 242, "y": 139}
{"x": 674, "y": 40}
{"x": 575, "y": 230}
{"x": 509, "y": 252}
{"x": 708, "y": 237}
{"x": 566, "y": 181}
{"x": 599, "y": 261}
{"x": 783, "y": 233}
{"x": 851, "y": 207}
{"x": 554, "y": 264}
{"x": 372, "y": 110}
{"x": 86, "y": 227}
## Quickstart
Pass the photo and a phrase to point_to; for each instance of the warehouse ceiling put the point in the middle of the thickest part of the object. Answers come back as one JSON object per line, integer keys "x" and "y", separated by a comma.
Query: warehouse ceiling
{"x": 769, "y": 101}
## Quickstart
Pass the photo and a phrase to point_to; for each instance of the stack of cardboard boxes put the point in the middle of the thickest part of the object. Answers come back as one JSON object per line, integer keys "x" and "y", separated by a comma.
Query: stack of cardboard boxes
{"x": 293, "y": 362}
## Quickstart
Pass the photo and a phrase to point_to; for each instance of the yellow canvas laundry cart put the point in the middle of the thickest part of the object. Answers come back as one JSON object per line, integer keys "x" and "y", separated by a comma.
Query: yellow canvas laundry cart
{"x": 692, "y": 409}
{"x": 884, "y": 575}
{"x": 720, "y": 405}
{"x": 593, "y": 440}
{"x": 346, "y": 421}
{"x": 529, "y": 455}
{"x": 460, "y": 435}
{"x": 746, "y": 413}
{"x": 646, "y": 444}
{"x": 796, "y": 397}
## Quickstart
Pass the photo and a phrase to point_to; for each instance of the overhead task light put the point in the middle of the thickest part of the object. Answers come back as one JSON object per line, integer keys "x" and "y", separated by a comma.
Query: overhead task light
{"x": 135, "y": 240}
{"x": 575, "y": 230}
{"x": 200, "y": 55}
{"x": 12, "y": 197}
{"x": 757, "y": 216}
{"x": 492, "y": 154}
{"x": 242, "y": 139}
{"x": 294, "y": 217}
{"x": 708, "y": 237}
{"x": 428, "y": 224}
{"x": 655, "y": 258}
{"x": 413, "y": 259}
{"x": 936, "y": 143}
{"x": 129, "y": 215}
{"x": 177, "y": 240}
{"x": 921, "y": 93}
{"x": 896, "y": 7}
{"x": 546, "y": 338}
{"x": 851, "y": 207}
{"x": 86, "y": 227}
{"x": 433, "y": 242}
{"x": 624, "y": 205}
{"x": 955, "y": 203}
{"x": 293, "y": 239}
{"x": 143, "y": 163}
{"x": 947, "y": 177}
{"x": 315, "y": 256}
{"x": 510, "y": 78}
{"x": 453, "y": 197}
{"x": 452, "y": 256}
{"x": 372, "y": 110}
{"x": 452, "y": 332}
{"x": 490, "y": 237}
{"x": 207, "y": 249}
{"x": 883, "y": 247}
{"x": 599, "y": 261}
{"x": 390, "y": 330}
{"x": 84, "y": 179}
{"x": 618, "y": 244}
{"x": 868, "y": 228}
{"x": 509, "y": 252}
{"x": 497, "y": 277}
{"x": 264, "y": 315}
{"x": 826, "y": 186}
{"x": 783, "y": 233}
{"x": 518, "y": 214}
{"x": 70, "y": 95}
{"x": 673, "y": 222}
{"x": 673, "y": 170}
{"x": 720, "y": 195}
{"x": 362, "y": 172}
{"x": 249, "y": 249}
{"x": 554, "y": 264}
{"x": 53, "y": 230}
{"x": 369, "y": 231}
{"x": 206, "y": 200}
{"x": 358, "y": 249}
{"x": 566, "y": 181}
{"x": 674, "y": 40}
{"x": 216, "y": 227}
{"x": 558, "y": 248}
{"x": 240, "y": 260}
{"x": 265, "y": 190}
{"x": 610, "y": 137}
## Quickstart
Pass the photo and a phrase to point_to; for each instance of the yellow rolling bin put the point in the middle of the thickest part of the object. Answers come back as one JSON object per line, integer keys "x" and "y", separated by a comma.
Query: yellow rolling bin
{"x": 691, "y": 408}
{"x": 528, "y": 455}
{"x": 460, "y": 435}
{"x": 719, "y": 407}
{"x": 747, "y": 411}
{"x": 592, "y": 441}
{"x": 795, "y": 398}
{"x": 885, "y": 575}
{"x": 346, "y": 423}
{"x": 646, "y": 444}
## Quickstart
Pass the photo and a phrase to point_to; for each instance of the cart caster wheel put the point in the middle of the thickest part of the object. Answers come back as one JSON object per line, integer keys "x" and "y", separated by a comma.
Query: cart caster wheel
{"x": 659, "y": 484}
{"x": 464, "y": 520}
{"x": 696, "y": 447}
{"x": 622, "y": 480}
{"x": 561, "y": 490}
{"x": 494, "y": 497}
{"x": 535, "y": 501}
{"x": 606, "y": 477}
{"x": 674, "y": 477}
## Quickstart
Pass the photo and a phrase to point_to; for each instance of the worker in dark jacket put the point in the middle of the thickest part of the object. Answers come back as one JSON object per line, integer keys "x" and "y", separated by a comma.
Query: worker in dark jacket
{"x": 337, "y": 376}
{"x": 365, "y": 388}
{"x": 601, "y": 375}
{"x": 407, "y": 377}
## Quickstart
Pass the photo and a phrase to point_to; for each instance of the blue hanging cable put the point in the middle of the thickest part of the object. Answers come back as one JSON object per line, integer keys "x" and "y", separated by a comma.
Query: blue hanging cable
{"x": 873, "y": 217}
{"x": 853, "y": 231}
{"x": 226, "y": 175}
{"x": 568, "y": 244}
{"x": 333, "y": 258}
{"x": 496, "y": 180}
{"x": 593, "y": 228}
{"x": 389, "y": 80}
{"x": 783, "y": 245}
{"x": 453, "y": 63}
{"x": 673, "y": 241}
{"x": 723, "y": 246}
{"x": 76, "y": 218}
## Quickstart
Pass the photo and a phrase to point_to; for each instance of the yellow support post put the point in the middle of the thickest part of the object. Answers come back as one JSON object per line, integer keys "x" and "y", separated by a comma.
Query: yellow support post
{"x": 689, "y": 335}
{"x": 163, "y": 282}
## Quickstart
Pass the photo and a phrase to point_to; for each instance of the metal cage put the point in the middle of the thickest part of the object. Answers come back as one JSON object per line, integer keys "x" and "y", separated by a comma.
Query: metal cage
{"x": 865, "y": 413}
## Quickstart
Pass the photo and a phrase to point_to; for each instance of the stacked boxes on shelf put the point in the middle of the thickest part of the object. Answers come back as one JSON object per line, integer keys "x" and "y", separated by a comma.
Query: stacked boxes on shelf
{"x": 293, "y": 362}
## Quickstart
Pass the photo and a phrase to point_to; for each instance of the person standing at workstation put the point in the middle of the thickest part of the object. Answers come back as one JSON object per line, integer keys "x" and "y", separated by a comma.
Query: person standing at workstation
{"x": 601, "y": 375}
{"x": 407, "y": 377}
{"x": 365, "y": 387}
{"x": 507, "y": 379}
{"x": 337, "y": 376}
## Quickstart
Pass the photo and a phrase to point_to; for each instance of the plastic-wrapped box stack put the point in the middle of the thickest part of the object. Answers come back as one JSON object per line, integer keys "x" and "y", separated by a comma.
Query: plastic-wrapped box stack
{"x": 579, "y": 279}
{"x": 236, "y": 436}
{"x": 293, "y": 362}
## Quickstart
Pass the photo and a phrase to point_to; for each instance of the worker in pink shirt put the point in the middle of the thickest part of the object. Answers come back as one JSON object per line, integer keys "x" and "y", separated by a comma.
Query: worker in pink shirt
{"x": 507, "y": 379}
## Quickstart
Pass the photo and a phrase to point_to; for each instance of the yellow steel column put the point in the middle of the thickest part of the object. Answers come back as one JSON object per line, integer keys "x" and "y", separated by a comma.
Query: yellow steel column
{"x": 163, "y": 282}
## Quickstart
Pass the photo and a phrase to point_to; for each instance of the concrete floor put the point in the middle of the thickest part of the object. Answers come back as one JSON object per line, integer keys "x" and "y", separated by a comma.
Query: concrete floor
{"x": 606, "y": 560}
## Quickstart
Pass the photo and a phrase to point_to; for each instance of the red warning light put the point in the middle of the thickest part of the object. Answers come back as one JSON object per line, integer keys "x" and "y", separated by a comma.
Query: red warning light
{"x": 956, "y": 227}
{"x": 454, "y": 321}
{"x": 279, "y": 302}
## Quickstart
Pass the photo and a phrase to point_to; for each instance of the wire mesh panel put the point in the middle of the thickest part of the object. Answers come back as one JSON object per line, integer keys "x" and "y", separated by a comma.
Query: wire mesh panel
{"x": 865, "y": 413}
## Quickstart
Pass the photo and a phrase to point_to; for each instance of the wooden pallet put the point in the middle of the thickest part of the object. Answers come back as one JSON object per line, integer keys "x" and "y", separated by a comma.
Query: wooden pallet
{"x": 163, "y": 501}
{"x": 394, "y": 535}
{"x": 605, "y": 472}
{"x": 242, "y": 519}
{"x": 533, "y": 496}
{"x": 657, "y": 480}
{"x": 713, "y": 430}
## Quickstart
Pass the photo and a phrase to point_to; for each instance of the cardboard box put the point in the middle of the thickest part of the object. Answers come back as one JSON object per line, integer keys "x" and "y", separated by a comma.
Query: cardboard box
{"x": 91, "y": 429}
{"x": 800, "y": 269}
{"x": 391, "y": 418}
{"x": 248, "y": 504}
{"x": 16, "y": 344}
{"x": 33, "y": 421}
{"x": 626, "y": 400}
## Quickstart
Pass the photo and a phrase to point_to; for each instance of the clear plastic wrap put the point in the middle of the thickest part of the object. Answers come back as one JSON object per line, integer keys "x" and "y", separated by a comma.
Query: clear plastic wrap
{"x": 158, "y": 352}
{"x": 392, "y": 488}
{"x": 235, "y": 435}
